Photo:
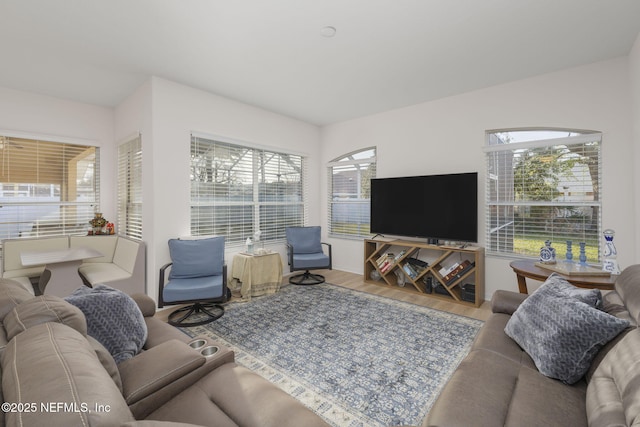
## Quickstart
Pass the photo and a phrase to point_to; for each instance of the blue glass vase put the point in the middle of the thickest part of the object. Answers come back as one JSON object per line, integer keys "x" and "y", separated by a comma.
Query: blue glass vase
{"x": 569, "y": 255}
{"x": 583, "y": 253}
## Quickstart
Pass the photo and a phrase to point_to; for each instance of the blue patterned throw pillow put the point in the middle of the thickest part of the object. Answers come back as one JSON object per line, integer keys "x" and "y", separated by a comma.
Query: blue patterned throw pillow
{"x": 561, "y": 328}
{"x": 113, "y": 319}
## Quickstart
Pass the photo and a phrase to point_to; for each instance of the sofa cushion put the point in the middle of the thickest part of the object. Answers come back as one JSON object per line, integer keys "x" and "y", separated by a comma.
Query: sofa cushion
{"x": 628, "y": 287}
{"x": 126, "y": 254}
{"x": 561, "y": 329}
{"x": 102, "y": 272}
{"x": 489, "y": 390}
{"x": 232, "y": 395}
{"x": 613, "y": 394}
{"x": 113, "y": 318}
{"x": 11, "y": 294}
{"x": 196, "y": 258}
{"x": 491, "y": 337}
{"x": 51, "y": 363}
{"x": 104, "y": 244}
{"x": 107, "y": 361}
{"x": 45, "y": 308}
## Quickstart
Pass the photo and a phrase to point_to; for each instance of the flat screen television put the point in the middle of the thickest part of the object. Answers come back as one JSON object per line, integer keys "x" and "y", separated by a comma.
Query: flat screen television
{"x": 443, "y": 207}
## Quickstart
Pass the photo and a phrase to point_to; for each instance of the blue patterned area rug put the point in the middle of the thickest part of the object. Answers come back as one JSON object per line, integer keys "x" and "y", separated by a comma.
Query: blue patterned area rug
{"x": 356, "y": 359}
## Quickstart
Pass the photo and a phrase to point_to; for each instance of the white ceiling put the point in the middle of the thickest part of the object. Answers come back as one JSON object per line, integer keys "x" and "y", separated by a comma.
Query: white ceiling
{"x": 386, "y": 53}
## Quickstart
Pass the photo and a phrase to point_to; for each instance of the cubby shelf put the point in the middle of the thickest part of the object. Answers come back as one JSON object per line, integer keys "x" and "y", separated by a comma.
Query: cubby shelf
{"x": 438, "y": 258}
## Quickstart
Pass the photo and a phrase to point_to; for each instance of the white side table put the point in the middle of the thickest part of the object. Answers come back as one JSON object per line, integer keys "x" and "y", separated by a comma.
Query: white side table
{"x": 255, "y": 275}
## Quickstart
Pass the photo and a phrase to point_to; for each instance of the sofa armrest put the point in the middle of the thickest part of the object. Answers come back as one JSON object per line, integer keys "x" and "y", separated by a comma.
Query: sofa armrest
{"x": 146, "y": 304}
{"x": 506, "y": 301}
{"x": 153, "y": 369}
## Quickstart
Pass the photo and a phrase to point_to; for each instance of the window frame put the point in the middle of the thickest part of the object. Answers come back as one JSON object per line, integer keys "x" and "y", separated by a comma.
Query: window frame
{"x": 33, "y": 160}
{"x": 587, "y": 141}
{"x": 268, "y": 217}
{"x": 130, "y": 203}
{"x": 346, "y": 161}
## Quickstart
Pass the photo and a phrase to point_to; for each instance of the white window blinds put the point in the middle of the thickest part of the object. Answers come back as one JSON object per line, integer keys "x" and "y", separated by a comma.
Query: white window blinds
{"x": 543, "y": 185}
{"x": 350, "y": 193}
{"x": 239, "y": 190}
{"x": 130, "y": 188}
{"x": 47, "y": 188}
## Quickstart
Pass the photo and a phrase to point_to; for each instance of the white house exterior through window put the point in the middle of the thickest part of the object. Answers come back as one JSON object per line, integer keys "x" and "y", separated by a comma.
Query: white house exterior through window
{"x": 350, "y": 193}
{"x": 48, "y": 187}
{"x": 543, "y": 184}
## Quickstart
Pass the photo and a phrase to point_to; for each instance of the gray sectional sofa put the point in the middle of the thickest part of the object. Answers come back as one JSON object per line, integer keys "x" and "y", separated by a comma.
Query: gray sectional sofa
{"x": 498, "y": 383}
{"x": 55, "y": 374}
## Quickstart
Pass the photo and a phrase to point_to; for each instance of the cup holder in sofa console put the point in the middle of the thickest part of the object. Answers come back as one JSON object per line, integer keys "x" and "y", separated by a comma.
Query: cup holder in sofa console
{"x": 209, "y": 351}
{"x": 197, "y": 344}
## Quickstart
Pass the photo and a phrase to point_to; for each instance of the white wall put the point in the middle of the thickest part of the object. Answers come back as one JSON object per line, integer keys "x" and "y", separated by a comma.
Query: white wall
{"x": 34, "y": 115}
{"x": 447, "y": 136}
{"x": 176, "y": 111}
{"x": 132, "y": 116}
{"x": 634, "y": 73}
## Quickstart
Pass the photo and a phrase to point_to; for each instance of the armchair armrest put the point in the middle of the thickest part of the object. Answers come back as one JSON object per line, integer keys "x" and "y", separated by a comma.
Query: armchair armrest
{"x": 146, "y": 304}
{"x": 155, "y": 376}
{"x": 506, "y": 302}
{"x": 161, "y": 281}
{"x": 328, "y": 245}
{"x": 157, "y": 367}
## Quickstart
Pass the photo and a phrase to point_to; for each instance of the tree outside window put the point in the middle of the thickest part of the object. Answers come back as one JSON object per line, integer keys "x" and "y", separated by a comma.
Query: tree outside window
{"x": 543, "y": 185}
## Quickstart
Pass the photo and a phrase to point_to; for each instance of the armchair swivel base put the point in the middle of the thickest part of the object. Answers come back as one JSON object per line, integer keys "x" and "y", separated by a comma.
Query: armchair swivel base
{"x": 181, "y": 316}
{"x": 306, "y": 278}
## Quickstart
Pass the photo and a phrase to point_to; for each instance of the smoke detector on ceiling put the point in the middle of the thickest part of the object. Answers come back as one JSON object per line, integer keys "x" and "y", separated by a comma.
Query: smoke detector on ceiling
{"x": 328, "y": 31}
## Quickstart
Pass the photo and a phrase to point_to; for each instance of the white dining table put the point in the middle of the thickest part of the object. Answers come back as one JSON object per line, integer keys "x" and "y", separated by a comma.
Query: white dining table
{"x": 60, "y": 276}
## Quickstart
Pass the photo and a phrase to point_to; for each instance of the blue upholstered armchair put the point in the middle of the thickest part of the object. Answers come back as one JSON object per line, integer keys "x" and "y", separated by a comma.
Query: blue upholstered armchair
{"x": 305, "y": 252}
{"x": 197, "y": 277}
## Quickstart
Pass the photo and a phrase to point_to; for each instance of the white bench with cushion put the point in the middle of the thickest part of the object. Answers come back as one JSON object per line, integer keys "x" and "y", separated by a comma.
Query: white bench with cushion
{"x": 122, "y": 265}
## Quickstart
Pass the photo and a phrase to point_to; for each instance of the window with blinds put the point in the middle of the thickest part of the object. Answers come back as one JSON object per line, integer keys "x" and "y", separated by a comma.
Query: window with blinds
{"x": 238, "y": 190}
{"x": 350, "y": 192}
{"x": 47, "y": 188}
{"x": 543, "y": 185}
{"x": 130, "y": 188}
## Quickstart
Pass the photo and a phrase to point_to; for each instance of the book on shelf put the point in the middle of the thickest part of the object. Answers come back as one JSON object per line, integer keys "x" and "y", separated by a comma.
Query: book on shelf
{"x": 382, "y": 258}
{"x": 460, "y": 271}
{"x": 400, "y": 255}
{"x": 387, "y": 266}
{"x": 409, "y": 270}
{"x": 445, "y": 271}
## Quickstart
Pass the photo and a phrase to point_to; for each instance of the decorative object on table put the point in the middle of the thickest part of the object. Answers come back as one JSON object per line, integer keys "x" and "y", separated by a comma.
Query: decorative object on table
{"x": 610, "y": 253}
{"x": 569, "y": 254}
{"x": 547, "y": 253}
{"x": 111, "y": 228}
{"x": 583, "y": 253}
{"x": 249, "y": 245}
{"x": 258, "y": 244}
{"x": 98, "y": 223}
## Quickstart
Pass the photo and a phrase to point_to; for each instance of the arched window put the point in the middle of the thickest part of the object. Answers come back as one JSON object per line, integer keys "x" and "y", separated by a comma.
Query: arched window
{"x": 350, "y": 192}
{"x": 543, "y": 184}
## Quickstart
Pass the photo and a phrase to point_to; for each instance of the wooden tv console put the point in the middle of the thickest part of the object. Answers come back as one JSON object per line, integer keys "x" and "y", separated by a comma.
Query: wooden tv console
{"x": 387, "y": 259}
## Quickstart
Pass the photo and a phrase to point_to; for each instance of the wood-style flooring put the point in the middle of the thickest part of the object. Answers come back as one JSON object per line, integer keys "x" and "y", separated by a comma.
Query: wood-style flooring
{"x": 356, "y": 282}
